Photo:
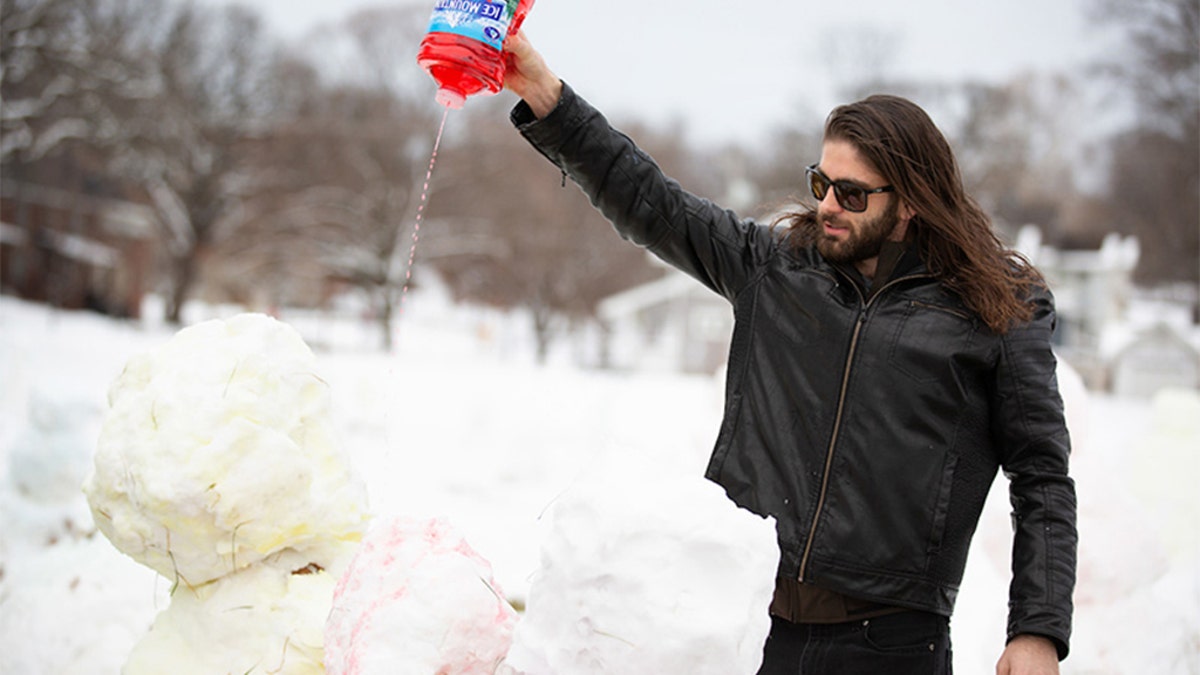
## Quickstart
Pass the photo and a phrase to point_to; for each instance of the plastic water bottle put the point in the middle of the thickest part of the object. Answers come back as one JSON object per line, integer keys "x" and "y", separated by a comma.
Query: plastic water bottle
{"x": 463, "y": 49}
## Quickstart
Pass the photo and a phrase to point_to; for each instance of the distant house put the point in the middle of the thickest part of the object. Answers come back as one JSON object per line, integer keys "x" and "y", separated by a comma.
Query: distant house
{"x": 1118, "y": 339}
{"x": 1157, "y": 358}
{"x": 672, "y": 324}
{"x": 74, "y": 251}
{"x": 1092, "y": 288}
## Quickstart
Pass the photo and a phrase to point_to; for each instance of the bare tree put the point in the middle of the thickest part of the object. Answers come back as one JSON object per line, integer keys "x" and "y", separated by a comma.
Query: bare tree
{"x": 1014, "y": 146}
{"x": 1156, "y": 165}
{"x": 1162, "y": 67}
{"x": 41, "y": 68}
{"x": 362, "y": 181}
{"x": 346, "y": 173}
{"x": 67, "y": 67}
{"x": 177, "y": 91}
{"x": 522, "y": 236}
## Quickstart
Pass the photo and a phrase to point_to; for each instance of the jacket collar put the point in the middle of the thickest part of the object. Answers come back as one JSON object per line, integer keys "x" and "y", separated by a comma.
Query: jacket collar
{"x": 896, "y": 259}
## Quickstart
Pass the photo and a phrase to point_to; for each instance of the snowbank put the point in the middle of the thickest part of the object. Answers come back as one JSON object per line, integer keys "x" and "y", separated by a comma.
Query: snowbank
{"x": 646, "y": 570}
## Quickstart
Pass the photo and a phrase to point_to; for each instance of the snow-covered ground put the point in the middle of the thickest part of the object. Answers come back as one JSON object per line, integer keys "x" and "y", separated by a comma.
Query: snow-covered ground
{"x": 457, "y": 423}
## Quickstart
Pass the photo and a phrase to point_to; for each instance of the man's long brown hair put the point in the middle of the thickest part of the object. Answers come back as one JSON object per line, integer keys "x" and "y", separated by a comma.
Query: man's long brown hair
{"x": 951, "y": 233}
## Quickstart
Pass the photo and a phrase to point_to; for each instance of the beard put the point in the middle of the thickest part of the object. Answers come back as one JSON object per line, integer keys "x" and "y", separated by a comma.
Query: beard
{"x": 863, "y": 240}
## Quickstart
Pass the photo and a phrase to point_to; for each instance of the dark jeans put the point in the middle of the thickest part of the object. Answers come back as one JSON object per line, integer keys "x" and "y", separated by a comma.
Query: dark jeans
{"x": 906, "y": 643}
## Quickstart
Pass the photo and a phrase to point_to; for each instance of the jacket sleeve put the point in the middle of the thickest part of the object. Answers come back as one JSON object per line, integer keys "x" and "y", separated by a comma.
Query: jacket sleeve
{"x": 1034, "y": 447}
{"x": 644, "y": 205}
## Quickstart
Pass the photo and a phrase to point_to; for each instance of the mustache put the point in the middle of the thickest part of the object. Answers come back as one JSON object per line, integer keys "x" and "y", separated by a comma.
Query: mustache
{"x": 828, "y": 219}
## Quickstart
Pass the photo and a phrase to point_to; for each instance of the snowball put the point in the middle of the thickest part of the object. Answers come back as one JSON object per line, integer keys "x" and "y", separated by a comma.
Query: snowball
{"x": 217, "y": 452}
{"x": 647, "y": 572}
{"x": 417, "y": 599}
{"x": 262, "y": 619}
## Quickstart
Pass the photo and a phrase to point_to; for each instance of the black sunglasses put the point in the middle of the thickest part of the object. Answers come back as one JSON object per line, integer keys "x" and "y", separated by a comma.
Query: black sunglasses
{"x": 851, "y": 197}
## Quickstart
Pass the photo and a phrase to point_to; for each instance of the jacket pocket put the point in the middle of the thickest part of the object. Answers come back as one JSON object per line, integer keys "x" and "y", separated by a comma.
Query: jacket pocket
{"x": 926, "y": 339}
{"x": 941, "y": 508}
{"x": 906, "y": 633}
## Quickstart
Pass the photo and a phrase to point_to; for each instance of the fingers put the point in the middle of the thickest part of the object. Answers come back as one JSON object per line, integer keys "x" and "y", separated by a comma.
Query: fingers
{"x": 518, "y": 45}
{"x": 528, "y": 76}
{"x": 523, "y": 57}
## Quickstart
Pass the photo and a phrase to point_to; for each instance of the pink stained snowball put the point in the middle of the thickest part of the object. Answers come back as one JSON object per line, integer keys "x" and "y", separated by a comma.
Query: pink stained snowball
{"x": 417, "y": 598}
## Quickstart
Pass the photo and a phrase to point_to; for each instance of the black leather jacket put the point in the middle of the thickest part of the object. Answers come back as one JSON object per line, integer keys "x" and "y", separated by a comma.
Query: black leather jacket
{"x": 871, "y": 429}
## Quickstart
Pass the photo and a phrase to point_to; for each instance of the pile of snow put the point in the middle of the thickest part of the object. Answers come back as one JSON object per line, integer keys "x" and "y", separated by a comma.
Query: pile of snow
{"x": 648, "y": 571}
{"x": 216, "y": 467}
{"x": 644, "y": 569}
{"x": 1166, "y": 476}
{"x": 417, "y": 599}
{"x": 50, "y": 457}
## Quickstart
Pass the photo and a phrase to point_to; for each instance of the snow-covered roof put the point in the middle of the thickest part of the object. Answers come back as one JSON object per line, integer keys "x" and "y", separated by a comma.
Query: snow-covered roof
{"x": 72, "y": 246}
{"x": 673, "y": 285}
{"x": 117, "y": 216}
{"x": 12, "y": 235}
{"x": 83, "y": 249}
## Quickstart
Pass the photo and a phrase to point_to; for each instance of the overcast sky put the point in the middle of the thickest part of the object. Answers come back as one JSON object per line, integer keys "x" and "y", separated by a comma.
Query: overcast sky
{"x": 732, "y": 71}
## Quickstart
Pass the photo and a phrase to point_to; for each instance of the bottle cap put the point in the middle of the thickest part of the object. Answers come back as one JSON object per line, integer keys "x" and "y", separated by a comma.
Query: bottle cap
{"x": 450, "y": 98}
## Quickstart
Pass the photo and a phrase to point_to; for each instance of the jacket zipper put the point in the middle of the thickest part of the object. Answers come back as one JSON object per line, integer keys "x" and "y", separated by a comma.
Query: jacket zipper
{"x": 864, "y": 305}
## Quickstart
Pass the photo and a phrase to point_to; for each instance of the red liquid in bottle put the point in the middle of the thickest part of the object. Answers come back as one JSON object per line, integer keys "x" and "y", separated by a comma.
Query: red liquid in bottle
{"x": 463, "y": 66}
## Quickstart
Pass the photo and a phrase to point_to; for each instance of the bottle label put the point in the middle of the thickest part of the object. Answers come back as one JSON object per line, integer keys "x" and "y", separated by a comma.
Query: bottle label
{"x": 479, "y": 20}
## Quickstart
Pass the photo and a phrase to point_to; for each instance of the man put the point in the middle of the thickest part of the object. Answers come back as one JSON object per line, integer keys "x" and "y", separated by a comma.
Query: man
{"x": 889, "y": 355}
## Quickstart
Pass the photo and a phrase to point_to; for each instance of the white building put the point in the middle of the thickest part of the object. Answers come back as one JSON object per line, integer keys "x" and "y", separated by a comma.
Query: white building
{"x": 1117, "y": 338}
{"x": 672, "y": 324}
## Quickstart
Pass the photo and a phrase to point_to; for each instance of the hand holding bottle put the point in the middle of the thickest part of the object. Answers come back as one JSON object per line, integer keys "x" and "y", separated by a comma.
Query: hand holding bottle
{"x": 528, "y": 76}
